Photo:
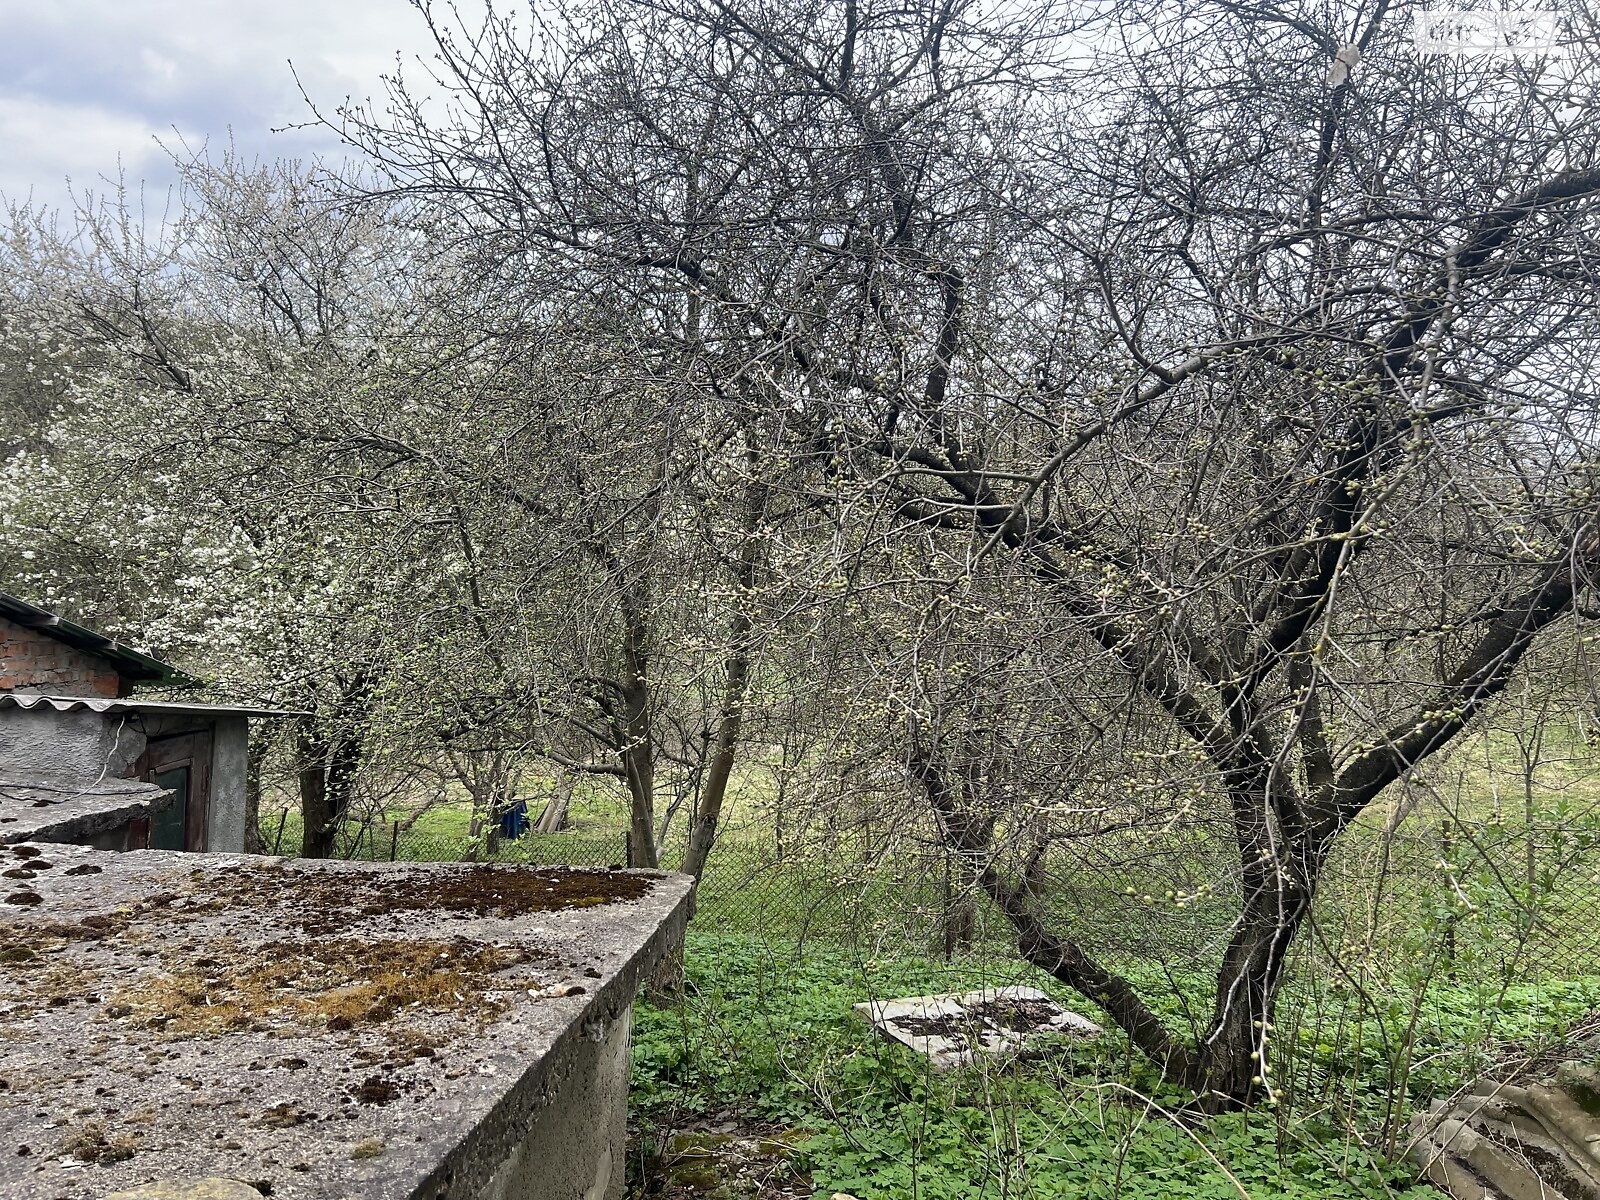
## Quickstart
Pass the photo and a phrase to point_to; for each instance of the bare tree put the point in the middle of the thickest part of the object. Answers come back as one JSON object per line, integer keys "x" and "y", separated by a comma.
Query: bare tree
{"x": 1235, "y": 364}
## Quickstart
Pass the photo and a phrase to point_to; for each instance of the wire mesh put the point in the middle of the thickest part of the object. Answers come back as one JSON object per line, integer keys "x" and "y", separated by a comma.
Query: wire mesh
{"x": 1512, "y": 899}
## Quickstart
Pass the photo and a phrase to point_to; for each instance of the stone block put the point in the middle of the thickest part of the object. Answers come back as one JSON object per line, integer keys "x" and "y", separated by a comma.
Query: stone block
{"x": 321, "y": 1029}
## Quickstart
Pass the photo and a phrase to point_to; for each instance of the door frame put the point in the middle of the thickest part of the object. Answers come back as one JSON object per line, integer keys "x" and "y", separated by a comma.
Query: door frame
{"x": 191, "y": 750}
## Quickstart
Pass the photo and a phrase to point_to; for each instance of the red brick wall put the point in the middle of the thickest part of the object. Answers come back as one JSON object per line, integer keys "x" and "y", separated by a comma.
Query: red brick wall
{"x": 32, "y": 661}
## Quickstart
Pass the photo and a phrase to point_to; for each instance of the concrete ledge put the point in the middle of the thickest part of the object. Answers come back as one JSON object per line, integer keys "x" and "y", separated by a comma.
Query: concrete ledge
{"x": 41, "y": 811}
{"x": 1506, "y": 1141}
{"x": 322, "y": 1029}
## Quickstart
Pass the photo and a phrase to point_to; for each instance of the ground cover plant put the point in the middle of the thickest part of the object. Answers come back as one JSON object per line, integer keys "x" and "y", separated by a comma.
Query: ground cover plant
{"x": 768, "y": 1037}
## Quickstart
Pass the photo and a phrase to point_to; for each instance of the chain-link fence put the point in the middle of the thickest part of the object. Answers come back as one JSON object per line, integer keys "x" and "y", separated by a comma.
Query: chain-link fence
{"x": 1511, "y": 899}
{"x": 407, "y": 841}
{"x": 1418, "y": 898}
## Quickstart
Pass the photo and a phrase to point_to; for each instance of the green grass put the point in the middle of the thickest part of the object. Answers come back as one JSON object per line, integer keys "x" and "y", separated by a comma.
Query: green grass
{"x": 443, "y": 834}
{"x": 770, "y": 1035}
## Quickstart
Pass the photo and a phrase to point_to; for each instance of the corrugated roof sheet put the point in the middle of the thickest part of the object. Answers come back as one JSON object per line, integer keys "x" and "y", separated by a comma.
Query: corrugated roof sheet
{"x": 102, "y": 704}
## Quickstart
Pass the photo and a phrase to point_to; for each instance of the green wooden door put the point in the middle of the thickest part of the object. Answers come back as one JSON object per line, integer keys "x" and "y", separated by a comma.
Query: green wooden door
{"x": 167, "y": 827}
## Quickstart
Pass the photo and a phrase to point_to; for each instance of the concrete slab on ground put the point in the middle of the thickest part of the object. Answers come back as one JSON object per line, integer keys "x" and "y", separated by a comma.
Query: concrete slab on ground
{"x": 956, "y": 1028}
{"x": 40, "y": 811}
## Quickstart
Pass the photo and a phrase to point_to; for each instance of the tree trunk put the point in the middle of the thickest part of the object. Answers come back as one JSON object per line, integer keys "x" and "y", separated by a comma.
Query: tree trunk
{"x": 254, "y": 843}
{"x": 708, "y": 812}
{"x": 327, "y": 782}
{"x": 554, "y": 817}
{"x": 1232, "y": 1066}
{"x": 495, "y": 807}
{"x": 344, "y": 759}
{"x": 638, "y": 740}
{"x": 316, "y": 820}
{"x": 960, "y": 923}
{"x": 639, "y": 772}
{"x": 328, "y": 767}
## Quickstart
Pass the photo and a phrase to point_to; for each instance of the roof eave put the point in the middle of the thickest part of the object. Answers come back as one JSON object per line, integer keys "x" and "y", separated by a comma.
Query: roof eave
{"x": 133, "y": 665}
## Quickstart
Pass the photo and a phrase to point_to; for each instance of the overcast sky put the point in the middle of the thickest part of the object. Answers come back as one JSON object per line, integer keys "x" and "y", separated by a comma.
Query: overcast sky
{"x": 88, "y": 84}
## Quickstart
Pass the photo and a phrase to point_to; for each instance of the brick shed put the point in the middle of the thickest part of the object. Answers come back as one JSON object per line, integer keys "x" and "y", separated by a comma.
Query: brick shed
{"x": 41, "y": 652}
{"x": 74, "y": 737}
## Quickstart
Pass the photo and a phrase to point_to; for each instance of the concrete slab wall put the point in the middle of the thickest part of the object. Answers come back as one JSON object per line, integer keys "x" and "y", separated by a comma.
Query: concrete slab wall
{"x": 230, "y": 768}
{"x": 577, "y": 1147}
{"x": 519, "y": 1099}
{"x": 111, "y": 839}
{"x": 80, "y": 746}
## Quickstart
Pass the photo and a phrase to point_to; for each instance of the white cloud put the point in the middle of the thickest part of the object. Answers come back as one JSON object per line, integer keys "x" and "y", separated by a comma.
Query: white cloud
{"x": 47, "y": 142}
{"x": 158, "y": 68}
{"x": 86, "y": 83}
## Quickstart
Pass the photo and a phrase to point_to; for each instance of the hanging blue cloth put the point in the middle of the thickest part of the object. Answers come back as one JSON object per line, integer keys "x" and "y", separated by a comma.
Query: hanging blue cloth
{"x": 514, "y": 821}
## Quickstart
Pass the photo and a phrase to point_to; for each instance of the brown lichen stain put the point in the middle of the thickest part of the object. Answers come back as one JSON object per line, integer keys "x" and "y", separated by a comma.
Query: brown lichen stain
{"x": 326, "y": 902}
{"x": 338, "y": 984}
{"x": 91, "y": 1143}
{"x": 285, "y": 1116}
{"x": 91, "y": 928}
{"x": 34, "y": 981}
{"x": 375, "y": 1089}
{"x": 367, "y": 1148}
{"x": 408, "y": 1045}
